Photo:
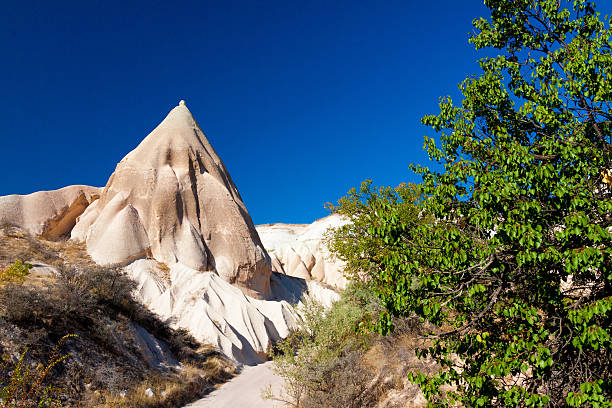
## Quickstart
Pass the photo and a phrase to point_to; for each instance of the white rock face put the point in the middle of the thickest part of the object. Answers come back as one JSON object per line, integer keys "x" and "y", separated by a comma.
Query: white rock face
{"x": 297, "y": 250}
{"x": 172, "y": 199}
{"x": 172, "y": 216}
{"x": 214, "y": 311}
{"x": 218, "y": 313}
{"x": 325, "y": 296}
{"x": 51, "y": 214}
{"x": 155, "y": 352}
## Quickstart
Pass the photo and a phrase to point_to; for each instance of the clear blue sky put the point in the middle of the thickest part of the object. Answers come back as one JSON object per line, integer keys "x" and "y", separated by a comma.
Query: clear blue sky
{"x": 302, "y": 100}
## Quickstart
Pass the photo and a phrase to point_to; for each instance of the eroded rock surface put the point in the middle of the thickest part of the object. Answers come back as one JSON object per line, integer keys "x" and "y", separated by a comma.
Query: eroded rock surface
{"x": 172, "y": 216}
{"x": 172, "y": 199}
{"x": 51, "y": 214}
{"x": 215, "y": 311}
{"x": 298, "y": 250}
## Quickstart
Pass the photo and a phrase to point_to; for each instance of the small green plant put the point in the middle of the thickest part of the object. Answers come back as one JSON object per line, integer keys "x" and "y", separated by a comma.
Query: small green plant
{"x": 319, "y": 362}
{"x": 22, "y": 386}
{"x": 15, "y": 273}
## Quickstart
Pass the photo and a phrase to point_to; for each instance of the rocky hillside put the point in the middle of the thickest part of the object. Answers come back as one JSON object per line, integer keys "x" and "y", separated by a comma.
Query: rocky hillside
{"x": 117, "y": 350}
{"x": 171, "y": 220}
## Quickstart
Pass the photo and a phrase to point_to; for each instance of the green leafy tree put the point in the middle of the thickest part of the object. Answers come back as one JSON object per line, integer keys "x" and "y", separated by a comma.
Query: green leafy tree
{"x": 356, "y": 243}
{"x": 514, "y": 264}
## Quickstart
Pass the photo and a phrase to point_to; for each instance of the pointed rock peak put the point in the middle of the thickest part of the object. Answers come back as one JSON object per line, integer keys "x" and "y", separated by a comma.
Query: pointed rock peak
{"x": 176, "y": 135}
{"x": 180, "y": 116}
{"x": 183, "y": 208}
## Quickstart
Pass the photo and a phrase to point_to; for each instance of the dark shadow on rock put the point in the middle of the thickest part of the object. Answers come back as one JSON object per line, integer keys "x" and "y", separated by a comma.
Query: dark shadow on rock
{"x": 287, "y": 288}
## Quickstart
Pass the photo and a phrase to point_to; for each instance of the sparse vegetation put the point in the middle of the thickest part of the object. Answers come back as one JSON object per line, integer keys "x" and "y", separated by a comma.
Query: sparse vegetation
{"x": 107, "y": 368}
{"x": 163, "y": 391}
{"x": 331, "y": 361}
{"x": 22, "y": 386}
{"x": 15, "y": 273}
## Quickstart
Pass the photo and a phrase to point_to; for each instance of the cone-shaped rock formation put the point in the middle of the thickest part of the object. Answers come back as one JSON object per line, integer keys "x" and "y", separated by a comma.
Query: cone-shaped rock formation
{"x": 172, "y": 199}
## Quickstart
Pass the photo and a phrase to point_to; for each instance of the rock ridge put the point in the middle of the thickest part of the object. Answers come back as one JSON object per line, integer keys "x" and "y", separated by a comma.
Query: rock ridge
{"x": 50, "y": 214}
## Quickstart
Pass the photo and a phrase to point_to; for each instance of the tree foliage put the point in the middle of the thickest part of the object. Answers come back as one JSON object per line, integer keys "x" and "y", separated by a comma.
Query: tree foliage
{"x": 510, "y": 253}
{"x": 361, "y": 244}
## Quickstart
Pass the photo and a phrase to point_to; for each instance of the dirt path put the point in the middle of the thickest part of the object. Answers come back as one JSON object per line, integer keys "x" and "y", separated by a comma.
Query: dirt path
{"x": 244, "y": 390}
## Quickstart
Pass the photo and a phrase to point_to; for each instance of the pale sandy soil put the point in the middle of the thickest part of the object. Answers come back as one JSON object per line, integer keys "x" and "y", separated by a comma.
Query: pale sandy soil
{"x": 244, "y": 390}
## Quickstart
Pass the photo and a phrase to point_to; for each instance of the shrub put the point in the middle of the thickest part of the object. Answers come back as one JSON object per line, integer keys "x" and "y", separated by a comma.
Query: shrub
{"x": 320, "y": 362}
{"x": 517, "y": 266}
{"x": 97, "y": 304}
{"x": 23, "y": 387}
{"x": 15, "y": 273}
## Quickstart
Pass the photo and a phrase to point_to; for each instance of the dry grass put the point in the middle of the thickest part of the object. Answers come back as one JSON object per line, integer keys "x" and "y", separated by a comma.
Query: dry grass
{"x": 389, "y": 360}
{"x": 80, "y": 297}
{"x": 165, "y": 270}
{"x": 168, "y": 391}
{"x": 18, "y": 244}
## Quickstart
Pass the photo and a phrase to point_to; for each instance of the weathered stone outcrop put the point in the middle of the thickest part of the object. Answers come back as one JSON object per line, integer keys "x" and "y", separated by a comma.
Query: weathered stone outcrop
{"x": 298, "y": 250}
{"x": 172, "y": 216}
{"x": 50, "y": 214}
{"x": 172, "y": 199}
{"x": 216, "y": 312}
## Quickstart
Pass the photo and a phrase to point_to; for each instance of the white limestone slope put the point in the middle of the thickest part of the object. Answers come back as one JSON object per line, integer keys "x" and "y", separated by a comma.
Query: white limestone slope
{"x": 216, "y": 312}
{"x": 298, "y": 250}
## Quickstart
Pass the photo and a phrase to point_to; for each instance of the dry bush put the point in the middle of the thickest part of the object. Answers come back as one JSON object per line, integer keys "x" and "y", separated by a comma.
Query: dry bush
{"x": 23, "y": 385}
{"x": 96, "y": 303}
{"x": 345, "y": 383}
{"x": 332, "y": 361}
{"x": 168, "y": 391}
